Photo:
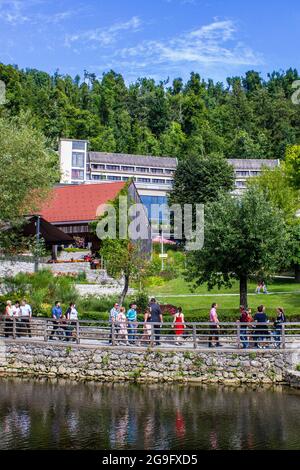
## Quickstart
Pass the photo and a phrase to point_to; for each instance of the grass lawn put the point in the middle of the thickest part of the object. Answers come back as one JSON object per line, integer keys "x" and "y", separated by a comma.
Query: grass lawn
{"x": 282, "y": 293}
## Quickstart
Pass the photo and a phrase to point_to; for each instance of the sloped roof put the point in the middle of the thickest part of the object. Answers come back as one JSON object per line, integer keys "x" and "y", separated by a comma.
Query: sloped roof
{"x": 78, "y": 203}
{"x": 252, "y": 163}
{"x": 126, "y": 159}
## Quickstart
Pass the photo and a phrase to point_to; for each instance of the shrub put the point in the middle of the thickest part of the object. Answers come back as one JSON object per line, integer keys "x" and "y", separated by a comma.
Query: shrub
{"x": 40, "y": 289}
{"x": 142, "y": 302}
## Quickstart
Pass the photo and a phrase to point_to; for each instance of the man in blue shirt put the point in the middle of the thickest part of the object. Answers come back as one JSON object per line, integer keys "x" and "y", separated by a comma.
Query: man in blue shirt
{"x": 132, "y": 318}
{"x": 56, "y": 315}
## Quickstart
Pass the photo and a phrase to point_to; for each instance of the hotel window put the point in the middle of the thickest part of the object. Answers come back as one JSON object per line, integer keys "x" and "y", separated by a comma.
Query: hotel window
{"x": 77, "y": 174}
{"x": 142, "y": 169}
{"x": 78, "y": 145}
{"x": 144, "y": 180}
{"x": 157, "y": 170}
{"x": 240, "y": 184}
{"x": 98, "y": 177}
{"x": 98, "y": 167}
{"x": 127, "y": 168}
{"x": 255, "y": 173}
{"x": 78, "y": 160}
{"x": 114, "y": 178}
{"x": 242, "y": 173}
{"x": 169, "y": 172}
{"x": 158, "y": 181}
{"x": 125, "y": 178}
{"x": 112, "y": 167}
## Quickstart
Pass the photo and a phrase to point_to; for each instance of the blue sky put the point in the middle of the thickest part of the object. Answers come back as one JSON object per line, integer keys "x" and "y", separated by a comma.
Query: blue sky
{"x": 157, "y": 38}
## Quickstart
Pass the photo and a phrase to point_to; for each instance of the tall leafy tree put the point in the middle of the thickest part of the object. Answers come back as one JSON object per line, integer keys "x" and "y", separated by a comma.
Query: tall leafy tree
{"x": 201, "y": 180}
{"x": 28, "y": 169}
{"x": 277, "y": 187}
{"x": 243, "y": 238}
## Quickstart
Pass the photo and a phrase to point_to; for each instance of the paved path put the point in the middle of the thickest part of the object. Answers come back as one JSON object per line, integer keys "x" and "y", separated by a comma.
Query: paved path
{"x": 223, "y": 295}
{"x": 226, "y": 346}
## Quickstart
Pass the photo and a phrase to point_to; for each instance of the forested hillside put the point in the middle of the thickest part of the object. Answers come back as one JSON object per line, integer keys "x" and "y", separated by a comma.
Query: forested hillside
{"x": 242, "y": 118}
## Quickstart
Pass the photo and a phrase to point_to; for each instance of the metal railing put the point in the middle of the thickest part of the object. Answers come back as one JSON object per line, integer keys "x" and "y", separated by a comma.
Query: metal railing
{"x": 192, "y": 335}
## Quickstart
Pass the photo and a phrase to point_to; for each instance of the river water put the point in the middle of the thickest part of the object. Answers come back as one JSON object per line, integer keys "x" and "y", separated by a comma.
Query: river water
{"x": 43, "y": 414}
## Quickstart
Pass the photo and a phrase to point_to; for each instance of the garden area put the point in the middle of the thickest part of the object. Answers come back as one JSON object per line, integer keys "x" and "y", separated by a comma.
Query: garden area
{"x": 169, "y": 287}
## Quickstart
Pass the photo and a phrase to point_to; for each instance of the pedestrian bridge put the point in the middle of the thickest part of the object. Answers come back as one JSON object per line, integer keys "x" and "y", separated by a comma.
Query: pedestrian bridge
{"x": 194, "y": 336}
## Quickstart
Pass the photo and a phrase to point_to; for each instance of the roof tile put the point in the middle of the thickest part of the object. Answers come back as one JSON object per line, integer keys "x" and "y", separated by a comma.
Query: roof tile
{"x": 78, "y": 203}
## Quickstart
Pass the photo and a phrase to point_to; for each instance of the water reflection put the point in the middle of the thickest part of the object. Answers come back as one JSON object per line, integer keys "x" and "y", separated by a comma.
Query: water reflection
{"x": 65, "y": 415}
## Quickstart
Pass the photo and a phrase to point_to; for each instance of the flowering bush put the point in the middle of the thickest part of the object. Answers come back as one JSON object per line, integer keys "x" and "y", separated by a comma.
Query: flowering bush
{"x": 168, "y": 309}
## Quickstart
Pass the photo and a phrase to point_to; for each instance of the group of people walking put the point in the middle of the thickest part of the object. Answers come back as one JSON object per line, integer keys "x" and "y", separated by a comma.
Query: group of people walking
{"x": 254, "y": 331}
{"x": 64, "y": 325}
{"x": 124, "y": 325}
{"x": 21, "y": 312}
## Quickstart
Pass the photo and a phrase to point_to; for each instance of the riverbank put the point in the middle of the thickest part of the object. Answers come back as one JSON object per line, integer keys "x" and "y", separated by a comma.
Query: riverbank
{"x": 107, "y": 364}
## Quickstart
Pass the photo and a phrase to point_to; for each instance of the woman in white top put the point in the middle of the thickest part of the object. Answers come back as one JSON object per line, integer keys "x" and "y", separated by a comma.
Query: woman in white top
{"x": 17, "y": 314}
{"x": 8, "y": 314}
{"x": 72, "y": 317}
{"x": 122, "y": 323}
{"x": 16, "y": 309}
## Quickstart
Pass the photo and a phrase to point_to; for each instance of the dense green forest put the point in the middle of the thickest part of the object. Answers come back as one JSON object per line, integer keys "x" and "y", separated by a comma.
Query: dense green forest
{"x": 243, "y": 118}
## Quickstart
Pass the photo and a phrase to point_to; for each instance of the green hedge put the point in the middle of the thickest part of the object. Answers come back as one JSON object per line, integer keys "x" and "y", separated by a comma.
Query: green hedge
{"x": 198, "y": 316}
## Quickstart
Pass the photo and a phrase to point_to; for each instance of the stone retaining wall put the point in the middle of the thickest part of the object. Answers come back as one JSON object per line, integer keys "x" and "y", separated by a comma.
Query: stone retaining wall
{"x": 143, "y": 365}
{"x": 293, "y": 378}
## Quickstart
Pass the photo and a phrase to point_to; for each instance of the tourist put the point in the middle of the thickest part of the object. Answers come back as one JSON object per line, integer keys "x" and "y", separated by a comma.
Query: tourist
{"x": 261, "y": 286}
{"x": 122, "y": 325}
{"x": 8, "y": 314}
{"x": 261, "y": 329}
{"x": 258, "y": 288}
{"x": 113, "y": 314}
{"x": 156, "y": 318}
{"x": 57, "y": 316}
{"x": 147, "y": 327}
{"x": 26, "y": 314}
{"x": 280, "y": 319}
{"x": 245, "y": 318}
{"x": 264, "y": 288}
{"x": 132, "y": 320}
{"x": 179, "y": 325}
{"x": 17, "y": 314}
{"x": 214, "y": 327}
{"x": 72, "y": 319}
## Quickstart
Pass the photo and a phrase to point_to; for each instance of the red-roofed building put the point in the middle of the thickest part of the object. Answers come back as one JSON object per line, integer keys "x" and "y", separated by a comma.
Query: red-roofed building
{"x": 78, "y": 204}
{"x": 72, "y": 208}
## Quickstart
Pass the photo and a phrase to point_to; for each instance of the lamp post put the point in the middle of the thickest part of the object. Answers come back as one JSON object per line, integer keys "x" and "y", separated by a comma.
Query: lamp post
{"x": 162, "y": 249}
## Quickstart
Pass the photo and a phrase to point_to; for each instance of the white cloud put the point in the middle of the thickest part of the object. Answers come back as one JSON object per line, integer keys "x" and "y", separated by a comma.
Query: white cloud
{"x": 104, "y": 36}
{"x": 12, "y": 11}
{"x": 214, "y": 43}
{"x": 17, "y": 12}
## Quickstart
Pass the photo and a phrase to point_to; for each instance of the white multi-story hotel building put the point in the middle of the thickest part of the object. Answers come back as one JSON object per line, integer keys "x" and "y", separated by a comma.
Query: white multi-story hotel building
{"x": 153, "y": 176}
